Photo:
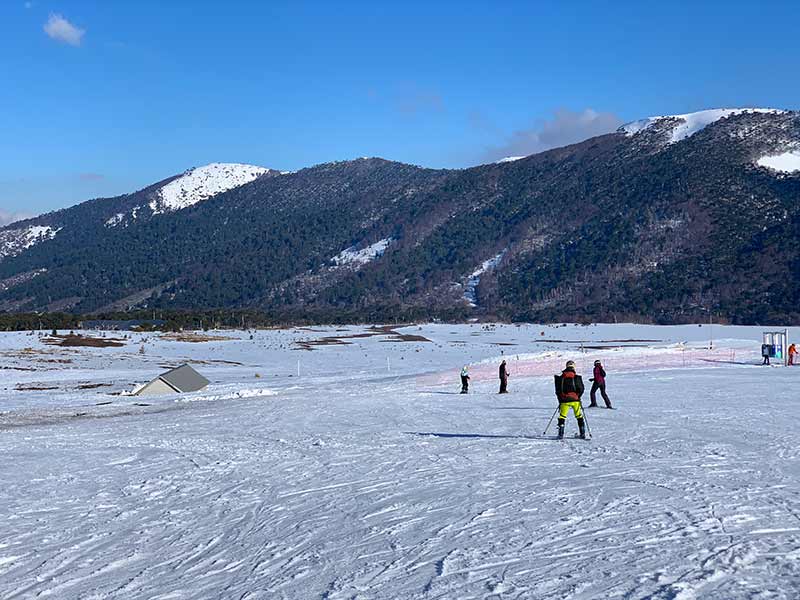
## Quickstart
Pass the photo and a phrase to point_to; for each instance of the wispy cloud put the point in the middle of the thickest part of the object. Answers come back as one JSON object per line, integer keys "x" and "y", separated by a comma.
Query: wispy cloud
{"x": 564, "y": 128}
{"x": 91, "y": 177}
{"x": 7, "y": 217}
{"x": 61, "y": 30}
{"x": 412, "y": 100}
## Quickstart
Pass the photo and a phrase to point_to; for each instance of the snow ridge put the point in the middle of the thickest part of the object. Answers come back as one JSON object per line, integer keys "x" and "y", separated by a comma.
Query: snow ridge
{"x": 201, "y": 183}
{"x": 691, "y": 123}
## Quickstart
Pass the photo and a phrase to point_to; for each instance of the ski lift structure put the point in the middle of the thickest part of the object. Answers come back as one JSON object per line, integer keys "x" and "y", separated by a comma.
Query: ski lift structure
{"x": 776, "y": 343}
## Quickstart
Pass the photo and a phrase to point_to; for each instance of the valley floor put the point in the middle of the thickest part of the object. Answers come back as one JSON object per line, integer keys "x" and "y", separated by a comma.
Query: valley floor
{"x": 369, "y": 476}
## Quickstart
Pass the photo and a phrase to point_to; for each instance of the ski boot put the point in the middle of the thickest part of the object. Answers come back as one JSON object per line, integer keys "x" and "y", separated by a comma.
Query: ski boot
{"x": 560, "y": 429}
{"x": 582, "y": 429}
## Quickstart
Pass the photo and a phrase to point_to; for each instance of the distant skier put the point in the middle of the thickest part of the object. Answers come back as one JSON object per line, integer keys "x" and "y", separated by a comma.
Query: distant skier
{"x": 569, "y": 389}
{"x": 765, "y": 353}
{"x": 503, "y": 378}
{"x": 792, "y": 354}
{"x": 599, "y": 383}
{"x": 464, "y": 380}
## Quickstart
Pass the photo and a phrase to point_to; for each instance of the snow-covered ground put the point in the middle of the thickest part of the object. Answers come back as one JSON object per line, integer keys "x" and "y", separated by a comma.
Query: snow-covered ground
{"x": 786, "y": 162}
{"x": 16, "y": 241}
{"x": 202, "y": 183}
{"x": 318, "y": 465}
{"x": 354, "y": 256}
{"x": 471, "y": 287}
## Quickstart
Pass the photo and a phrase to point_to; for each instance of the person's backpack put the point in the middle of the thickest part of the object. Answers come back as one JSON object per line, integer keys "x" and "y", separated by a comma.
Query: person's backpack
{"x": 568, "y": 384}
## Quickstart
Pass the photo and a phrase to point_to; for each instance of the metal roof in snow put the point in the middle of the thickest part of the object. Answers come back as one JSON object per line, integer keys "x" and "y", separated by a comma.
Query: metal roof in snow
{"x": 184, "y": 379}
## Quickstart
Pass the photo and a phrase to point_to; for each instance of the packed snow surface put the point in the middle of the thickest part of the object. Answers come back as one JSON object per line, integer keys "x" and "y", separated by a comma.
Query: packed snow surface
{"x": 691, "y": 123}
{"x": 202, "y": 183}
{"x": 342, "y": 463}
{"x": 787, "y": 162}
{"x": 353, "y": 256}
{"x": 16, "y": 241}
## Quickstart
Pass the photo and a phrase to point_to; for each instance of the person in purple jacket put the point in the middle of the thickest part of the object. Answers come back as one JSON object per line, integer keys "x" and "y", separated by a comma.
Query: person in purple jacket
{"x": 599, "y": 383}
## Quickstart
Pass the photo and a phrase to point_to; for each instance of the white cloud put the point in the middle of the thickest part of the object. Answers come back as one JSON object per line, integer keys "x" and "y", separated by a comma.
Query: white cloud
{"x": 564, "y": 128}
{"x": 12, "y": 217}
{"x": 61, "y": 30}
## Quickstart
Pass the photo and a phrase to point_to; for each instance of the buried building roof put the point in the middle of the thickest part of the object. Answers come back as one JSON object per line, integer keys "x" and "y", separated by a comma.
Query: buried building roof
{"x": 179, "y": 380}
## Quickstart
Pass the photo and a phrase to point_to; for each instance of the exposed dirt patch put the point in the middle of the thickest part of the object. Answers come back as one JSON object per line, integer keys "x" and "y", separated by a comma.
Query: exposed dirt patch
{"x": 595, "y": 341}
{"x": 406, "y": 337}
{"x": 34, "y": 388}
{"x": 341, "y": 340}
{"x": 613, "y": 346}
{"x": 326, "y": 341}
{"x": 195, "y": 338}
{"x": 91, "y": 386}
{"x": 73, "y": 339}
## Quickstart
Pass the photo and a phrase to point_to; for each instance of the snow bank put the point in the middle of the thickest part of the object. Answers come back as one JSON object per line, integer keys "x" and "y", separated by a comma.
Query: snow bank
{"x": 788, "y": 162}
{"x": 202, "y": 183}
{"x": 235, "y": 395}
{"x": 353, "y": 256}
{"x": 691, "y": 123}
{"x": 509, "y": 159}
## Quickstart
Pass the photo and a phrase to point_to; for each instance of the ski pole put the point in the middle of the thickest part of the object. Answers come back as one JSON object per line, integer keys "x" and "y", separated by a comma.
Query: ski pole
{"x": 550, "y": 421}
{"x": 585, "y": 419}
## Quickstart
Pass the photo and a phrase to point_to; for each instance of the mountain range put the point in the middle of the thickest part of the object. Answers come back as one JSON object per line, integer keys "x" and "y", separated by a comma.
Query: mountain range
{"x": 669, "y": 219}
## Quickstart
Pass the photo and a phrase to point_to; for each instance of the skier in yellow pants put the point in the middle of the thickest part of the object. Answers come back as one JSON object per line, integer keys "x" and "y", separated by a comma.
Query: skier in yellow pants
{"x": 569, "y": 389}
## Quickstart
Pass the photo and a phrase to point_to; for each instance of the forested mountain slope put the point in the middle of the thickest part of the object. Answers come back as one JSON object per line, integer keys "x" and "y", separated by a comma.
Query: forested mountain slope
{"x": 665, "y": 220}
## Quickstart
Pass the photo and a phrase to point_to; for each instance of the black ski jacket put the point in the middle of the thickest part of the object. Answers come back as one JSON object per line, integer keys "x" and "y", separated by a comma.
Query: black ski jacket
{"x": 503, "y": 371}
{"x": 566, "y": 389}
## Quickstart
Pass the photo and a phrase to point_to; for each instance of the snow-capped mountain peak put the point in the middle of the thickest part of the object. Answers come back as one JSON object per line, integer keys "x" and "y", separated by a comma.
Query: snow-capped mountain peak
{"x": 201, "y": 183}
{"x": 690, "y": 123}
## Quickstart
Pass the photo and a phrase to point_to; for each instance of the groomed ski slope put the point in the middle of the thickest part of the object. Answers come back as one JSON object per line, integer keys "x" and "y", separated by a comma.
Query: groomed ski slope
{"x": 368, "y": 476}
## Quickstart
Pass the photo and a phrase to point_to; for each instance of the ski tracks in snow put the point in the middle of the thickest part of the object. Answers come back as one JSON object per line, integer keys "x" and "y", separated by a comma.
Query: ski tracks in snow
{"x": 374, "y": 489}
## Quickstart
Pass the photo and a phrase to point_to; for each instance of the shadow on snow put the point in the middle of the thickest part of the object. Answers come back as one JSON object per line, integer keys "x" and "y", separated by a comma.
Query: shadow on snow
{"x": 491, "y": 436}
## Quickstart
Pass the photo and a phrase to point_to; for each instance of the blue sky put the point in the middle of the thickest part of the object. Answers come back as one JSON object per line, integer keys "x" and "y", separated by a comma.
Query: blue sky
{"x": 102, "y": 98}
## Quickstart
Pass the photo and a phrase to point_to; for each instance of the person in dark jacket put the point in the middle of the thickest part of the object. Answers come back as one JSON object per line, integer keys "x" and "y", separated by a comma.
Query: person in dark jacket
{"x": 465, "y": 380}
{"x": 765, "y": 349}
{"x": 503, "y": 378}
{"x": 569, "y": 389}
{"x": 599, "y": 383}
